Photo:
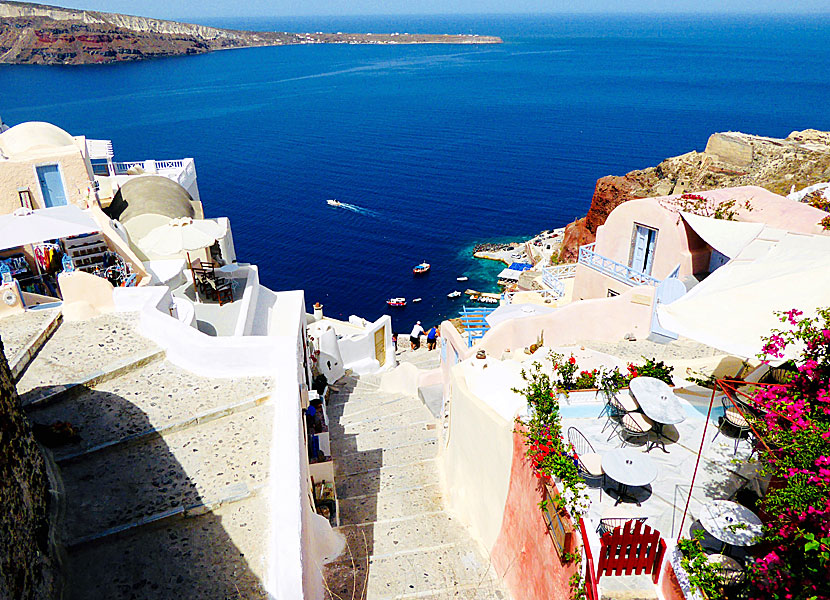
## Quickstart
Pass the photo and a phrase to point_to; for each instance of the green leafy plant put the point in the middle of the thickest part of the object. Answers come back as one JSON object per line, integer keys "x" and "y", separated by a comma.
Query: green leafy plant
{"x": 702, "y": 574}
{"x": 652, "y": 368}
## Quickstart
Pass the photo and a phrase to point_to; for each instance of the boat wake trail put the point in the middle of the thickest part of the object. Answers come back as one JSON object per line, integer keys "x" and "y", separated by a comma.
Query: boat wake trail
{"x": 359, "y": 209}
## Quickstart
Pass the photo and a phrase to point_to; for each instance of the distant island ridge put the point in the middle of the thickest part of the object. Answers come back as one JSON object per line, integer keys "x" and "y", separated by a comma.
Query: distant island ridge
{"x": 51, "y": 35}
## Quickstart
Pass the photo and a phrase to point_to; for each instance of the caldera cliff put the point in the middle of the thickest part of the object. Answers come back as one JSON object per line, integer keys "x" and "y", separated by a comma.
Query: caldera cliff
{"x": 730, "y": 159}
{"x": 42, "y": 34}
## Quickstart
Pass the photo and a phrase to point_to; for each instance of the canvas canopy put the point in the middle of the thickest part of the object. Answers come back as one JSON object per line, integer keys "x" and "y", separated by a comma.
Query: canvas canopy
{"x": 25, "y": 226}
{"x": 727, "y": 237}
{"x": 733, "y": 308}
{"x": 510, "y": 274}
{"x": 516, "y": 311}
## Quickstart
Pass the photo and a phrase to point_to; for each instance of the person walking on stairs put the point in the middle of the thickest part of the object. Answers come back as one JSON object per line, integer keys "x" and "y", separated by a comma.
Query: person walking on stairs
{"x": 432, "y": 337}
{"x": 415, "y": 336}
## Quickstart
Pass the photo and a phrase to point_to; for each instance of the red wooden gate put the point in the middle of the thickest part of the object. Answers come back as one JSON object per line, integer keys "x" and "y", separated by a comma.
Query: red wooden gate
{"x": 631, "y": 548}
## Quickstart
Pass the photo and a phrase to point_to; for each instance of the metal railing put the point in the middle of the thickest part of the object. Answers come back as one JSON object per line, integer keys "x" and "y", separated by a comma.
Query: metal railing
{"x": 612, "y": 268}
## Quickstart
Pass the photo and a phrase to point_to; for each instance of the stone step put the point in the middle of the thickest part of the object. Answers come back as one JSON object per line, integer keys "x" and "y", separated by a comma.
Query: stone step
{"x": 410, "y": 574}
{"x": 207, "y": 557}
{"x": 380, "y": 440}
{"x": 158, "y": 397}
{"x": 367, "y": 509}
{"x": 386, "y": 480}
{"x": 25, "y": 334}
{"x": 364, "y": 461}
{"x": 53, "y": 394}
{"x": 366, "y": 422}
{"x": 424, "y": 532}
{"x": 368, "y": 408}
{"x": 82, "y": 352}
{"x": 135, "y": 481}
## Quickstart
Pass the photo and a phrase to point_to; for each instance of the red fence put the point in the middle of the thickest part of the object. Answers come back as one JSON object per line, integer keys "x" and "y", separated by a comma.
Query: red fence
{"x": 631, "y": 548}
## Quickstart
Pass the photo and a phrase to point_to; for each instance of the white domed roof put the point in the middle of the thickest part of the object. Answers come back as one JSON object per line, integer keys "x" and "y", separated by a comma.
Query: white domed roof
{"x": 33, "y": 135}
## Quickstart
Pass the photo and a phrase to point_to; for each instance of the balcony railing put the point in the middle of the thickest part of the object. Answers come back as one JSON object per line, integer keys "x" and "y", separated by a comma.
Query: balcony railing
{"x": 182, "y": 171}
{"x": 552, "y": 278}
{"x": 612, "y": 268}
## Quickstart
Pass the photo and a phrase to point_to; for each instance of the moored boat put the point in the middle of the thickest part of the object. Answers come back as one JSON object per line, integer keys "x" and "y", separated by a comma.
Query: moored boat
{"x": 396, "y": 302}
{"x": 416, "y": 299}
{"x": 462, "y": 278}
{"x": 454, "y": 294}
{"x": 420, "y": 269}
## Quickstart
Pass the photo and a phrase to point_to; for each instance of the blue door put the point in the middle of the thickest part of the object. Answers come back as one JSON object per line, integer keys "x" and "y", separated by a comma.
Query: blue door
{"x": 642, "y": 254}
{"x": 51, "y": 185}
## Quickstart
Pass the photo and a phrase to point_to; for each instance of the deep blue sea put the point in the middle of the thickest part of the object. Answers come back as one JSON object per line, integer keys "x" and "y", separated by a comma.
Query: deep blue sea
{"x": 443, "y": 146}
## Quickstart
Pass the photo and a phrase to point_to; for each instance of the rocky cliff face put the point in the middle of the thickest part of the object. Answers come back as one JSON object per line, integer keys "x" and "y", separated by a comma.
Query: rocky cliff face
{"x": 730, "y": 159}
{"x": 27, "y": 564}
{"x": 40, "y": 34}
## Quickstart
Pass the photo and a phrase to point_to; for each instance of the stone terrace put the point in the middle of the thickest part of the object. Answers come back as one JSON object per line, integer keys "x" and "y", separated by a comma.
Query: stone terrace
{"x": 163, "y": 489}
{"x": 720, "y": 475}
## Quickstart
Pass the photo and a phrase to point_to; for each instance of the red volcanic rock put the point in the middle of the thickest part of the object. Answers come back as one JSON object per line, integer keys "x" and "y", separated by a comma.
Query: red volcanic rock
{"x": 609, "y": 193}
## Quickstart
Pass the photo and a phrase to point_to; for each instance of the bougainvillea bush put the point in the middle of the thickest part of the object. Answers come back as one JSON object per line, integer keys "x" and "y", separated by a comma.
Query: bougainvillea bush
{"x": 794, "y": 425}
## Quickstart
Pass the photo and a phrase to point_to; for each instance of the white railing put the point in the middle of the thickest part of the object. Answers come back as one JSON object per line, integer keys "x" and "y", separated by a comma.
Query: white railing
{"x": 612, "y": 268}
{"x": 552, "y": 278}
{"x": 183, "y": 167}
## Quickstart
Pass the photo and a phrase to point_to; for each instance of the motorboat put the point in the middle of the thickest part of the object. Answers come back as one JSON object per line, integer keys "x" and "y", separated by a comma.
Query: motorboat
{"x": 416, "y": 299}
{"x": 420, "y": 269}
{"x": 334, "y": 202}
{"x": 454, "y": 294}
{"x": 462, "y": 278}
{"x": 396, "y": 302}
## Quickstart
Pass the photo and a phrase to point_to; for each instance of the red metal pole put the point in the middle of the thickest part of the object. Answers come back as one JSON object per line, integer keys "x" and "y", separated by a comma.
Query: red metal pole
{"x": 697, "y": 462}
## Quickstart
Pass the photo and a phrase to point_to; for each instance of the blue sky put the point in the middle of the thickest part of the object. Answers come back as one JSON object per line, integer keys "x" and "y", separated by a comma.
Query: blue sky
{"x": 193, "y": 9}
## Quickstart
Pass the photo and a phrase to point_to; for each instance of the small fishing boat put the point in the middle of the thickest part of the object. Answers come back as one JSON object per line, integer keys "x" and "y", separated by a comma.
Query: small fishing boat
{"x": 462, "y": 278}
{"x": 454, "y": 294}
{"x": 416, "y": 299}
{"x": 421, "y": 268}
{"x": 334, "y": 202}
{"x": 396, "y": 302}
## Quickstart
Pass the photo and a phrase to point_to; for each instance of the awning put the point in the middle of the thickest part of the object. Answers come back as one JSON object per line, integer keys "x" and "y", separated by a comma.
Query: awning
{"x": 727, "y": 237}
{"x": 516, "y": 311}
{"x": 519, "y": 266}
{"x": 732, "y": 309}
{"x": 510, "y": 274}
{"x": 33, "y": 226}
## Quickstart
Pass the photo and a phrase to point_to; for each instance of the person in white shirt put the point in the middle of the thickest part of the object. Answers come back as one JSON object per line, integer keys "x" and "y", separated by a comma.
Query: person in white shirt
{"x": 415, "y": 336}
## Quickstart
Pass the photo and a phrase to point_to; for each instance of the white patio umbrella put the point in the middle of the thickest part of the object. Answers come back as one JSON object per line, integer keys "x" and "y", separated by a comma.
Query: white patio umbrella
{"x": 181, "y": 235}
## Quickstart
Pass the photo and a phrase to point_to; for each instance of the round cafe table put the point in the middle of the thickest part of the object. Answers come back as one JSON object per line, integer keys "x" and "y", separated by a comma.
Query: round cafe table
{"x": 731, "y": 523}
{"x": 659, "y": 404}
{"x": 628, "y": 466}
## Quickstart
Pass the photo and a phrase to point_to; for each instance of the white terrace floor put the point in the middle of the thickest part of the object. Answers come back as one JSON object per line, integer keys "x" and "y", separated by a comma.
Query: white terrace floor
{"x": 720, "y": 475}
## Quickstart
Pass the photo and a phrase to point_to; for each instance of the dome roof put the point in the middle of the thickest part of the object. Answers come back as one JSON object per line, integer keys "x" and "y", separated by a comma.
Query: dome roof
{"x": 33, "y": 135}
{"x": 150, "y": 194}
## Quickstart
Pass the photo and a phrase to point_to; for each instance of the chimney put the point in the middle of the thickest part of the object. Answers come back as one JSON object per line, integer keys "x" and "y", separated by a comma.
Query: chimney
{"x": 318, "y": 311}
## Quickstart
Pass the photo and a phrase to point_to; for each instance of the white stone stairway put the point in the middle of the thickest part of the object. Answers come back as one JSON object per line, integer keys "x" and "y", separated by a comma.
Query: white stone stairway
{"x": 401, "y": 541}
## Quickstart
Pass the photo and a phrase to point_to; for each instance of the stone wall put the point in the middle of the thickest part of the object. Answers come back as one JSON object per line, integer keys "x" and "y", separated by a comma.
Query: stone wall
{"x": 27, "y": 563}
